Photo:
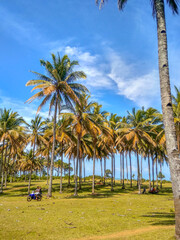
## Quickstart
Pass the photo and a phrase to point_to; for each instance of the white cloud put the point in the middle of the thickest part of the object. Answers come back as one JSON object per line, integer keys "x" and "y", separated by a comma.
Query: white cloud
{"x": 111, "y": 71}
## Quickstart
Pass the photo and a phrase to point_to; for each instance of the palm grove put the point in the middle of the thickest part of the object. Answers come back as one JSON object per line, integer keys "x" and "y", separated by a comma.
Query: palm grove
{"x": 84, "y": 132}
{"x": 80, "y": 131}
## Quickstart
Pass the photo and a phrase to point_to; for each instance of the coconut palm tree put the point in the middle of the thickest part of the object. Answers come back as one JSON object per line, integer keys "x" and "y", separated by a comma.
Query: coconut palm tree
{"x": 29, "y": 163}
{"x": 113, "y": 123}
{"x": 136, "y": 133}
{"x": 11, "y": 136}
{"x": 58, "y": 87}
{"x": 176, "y": 109}
{"x": 166, "y": 101}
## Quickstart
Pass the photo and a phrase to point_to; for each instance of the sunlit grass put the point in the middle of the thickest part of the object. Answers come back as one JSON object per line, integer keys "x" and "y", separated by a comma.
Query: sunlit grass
{"x": 121, "y": 214}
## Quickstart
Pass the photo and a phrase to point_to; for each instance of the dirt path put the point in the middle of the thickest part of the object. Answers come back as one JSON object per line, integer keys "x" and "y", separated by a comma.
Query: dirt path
{"x": 128, "y": 233}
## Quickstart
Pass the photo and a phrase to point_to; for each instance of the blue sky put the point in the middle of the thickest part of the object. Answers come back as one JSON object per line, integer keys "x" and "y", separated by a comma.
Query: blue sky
{"x": 117, "y": 50}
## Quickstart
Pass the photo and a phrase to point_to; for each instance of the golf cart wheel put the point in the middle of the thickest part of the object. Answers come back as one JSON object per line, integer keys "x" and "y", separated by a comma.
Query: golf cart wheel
{"x": 29, "y": 198}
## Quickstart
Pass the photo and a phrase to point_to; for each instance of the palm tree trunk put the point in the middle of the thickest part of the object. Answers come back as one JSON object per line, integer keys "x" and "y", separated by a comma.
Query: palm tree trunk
{"x": 153, "y": 170}
{"x": 61, "y": 170}
{"x": 139, "y": 183}
{"x": 74, "y": 170}
{"x": 101, "y": 170}
{"x": 69, "y": 174}
{"x": 161, "y": 172}
{"x": 126, "y": 167}
{"x": 48, "y": 168}
{"x": 2, "y": 168}
{"x": 84, "y": 170}
{"x": 5, "y": 168}
{"x": 29, "y": 185}
{"x": 104, "y": 171}
{"x": 120, "y": 168}
{"x": 93, "y": 181}
{"x": 52, "y": 155}
{"x": 149, "y": 168}
{"x": 130, "y": 162}
{"x": 76, "y": 167}
{"x": 156, "y": 173}
{"x": 112, "y": 170}
{"x": 123, "y": 186}
{"x": 80, "y": 173}
{"x": 168, "y": 119}
{"x": 178, "y": 137}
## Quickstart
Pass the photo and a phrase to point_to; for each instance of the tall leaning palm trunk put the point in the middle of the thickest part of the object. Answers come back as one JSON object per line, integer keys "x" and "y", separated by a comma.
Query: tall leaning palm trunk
{"x": 169, "y": 127}
{"x": 53, "y": 150}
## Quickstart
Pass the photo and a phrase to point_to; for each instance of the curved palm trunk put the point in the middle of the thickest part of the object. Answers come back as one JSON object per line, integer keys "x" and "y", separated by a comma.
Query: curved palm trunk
{"x": 149, "y": 170}
{"x": 93, "y": 181}
{"x": 52, "y": 155}
{"x": 169, "y": 127}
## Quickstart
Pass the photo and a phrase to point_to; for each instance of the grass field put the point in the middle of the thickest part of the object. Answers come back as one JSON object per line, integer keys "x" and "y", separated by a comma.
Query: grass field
{"x": 122, "y": 214}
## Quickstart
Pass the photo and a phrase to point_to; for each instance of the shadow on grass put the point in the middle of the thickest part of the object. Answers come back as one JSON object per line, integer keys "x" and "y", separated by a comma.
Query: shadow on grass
{"x": 161, "y": 218}
{"x": 101, "y": 191}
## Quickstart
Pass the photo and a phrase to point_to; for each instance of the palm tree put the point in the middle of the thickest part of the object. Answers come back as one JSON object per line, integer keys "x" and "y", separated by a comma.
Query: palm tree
{"x": 11, "y": 136}
{"x": 166, "y": 101}
{"x": 29, "y": 163}
{"x": 113, "y": 123}
{"x": 59, "y": 88}
{"x": 136, "y": 133}
{"x": 176, "y": 109}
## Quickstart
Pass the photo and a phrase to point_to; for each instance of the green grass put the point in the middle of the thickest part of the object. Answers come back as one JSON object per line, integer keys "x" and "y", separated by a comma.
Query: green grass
{"x": 122, "y": 214}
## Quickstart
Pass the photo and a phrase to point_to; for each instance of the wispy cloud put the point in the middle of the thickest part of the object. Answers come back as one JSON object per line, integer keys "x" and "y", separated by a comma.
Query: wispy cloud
{"x": 111, "y": 71}
{"x": 141, "y": 88}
